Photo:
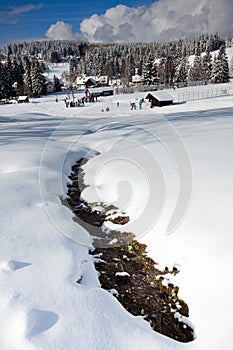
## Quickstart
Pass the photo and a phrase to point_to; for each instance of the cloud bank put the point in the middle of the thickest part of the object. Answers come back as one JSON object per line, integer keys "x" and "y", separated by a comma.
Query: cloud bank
{"x": 161, "y": 21}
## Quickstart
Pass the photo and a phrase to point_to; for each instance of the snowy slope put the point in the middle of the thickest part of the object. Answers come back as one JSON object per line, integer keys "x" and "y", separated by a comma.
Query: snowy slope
{"x": 229, "y": 53}
{"x": 43, "y": 252}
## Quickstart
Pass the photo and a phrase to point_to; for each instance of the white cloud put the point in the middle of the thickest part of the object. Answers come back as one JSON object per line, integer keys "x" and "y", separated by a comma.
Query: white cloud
{"x": 24, "y": 8}
{"x": 11, "y": 16}
{"x": 161, "y": 21}
{"x": 61, "y": 31}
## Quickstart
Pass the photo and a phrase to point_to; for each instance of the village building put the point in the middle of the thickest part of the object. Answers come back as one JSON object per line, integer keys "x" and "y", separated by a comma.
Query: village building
{"x": 102, "y": 91}
{"x": 103, "y": 80}
{"x": 91, "y": 82}
{"x": 159, "y": 98}
{"x": 23, "y": 99}
{"x": 82, "y": 82}
{"x": 137, "y": 79}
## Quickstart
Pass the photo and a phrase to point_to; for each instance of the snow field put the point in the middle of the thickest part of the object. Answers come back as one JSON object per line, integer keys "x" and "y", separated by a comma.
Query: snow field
{"x": 43, "y": 252}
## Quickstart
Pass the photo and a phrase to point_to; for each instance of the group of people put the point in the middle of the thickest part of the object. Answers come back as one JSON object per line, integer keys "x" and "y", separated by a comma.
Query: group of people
{"x": 78, "y": 103}
{"x": 87, "y": 98}
{"x": 140, "y": 102}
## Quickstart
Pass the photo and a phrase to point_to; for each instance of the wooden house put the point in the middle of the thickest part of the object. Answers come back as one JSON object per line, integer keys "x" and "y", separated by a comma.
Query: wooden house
{"x": 91, "y": 82}
{"x": 159, "y": 98}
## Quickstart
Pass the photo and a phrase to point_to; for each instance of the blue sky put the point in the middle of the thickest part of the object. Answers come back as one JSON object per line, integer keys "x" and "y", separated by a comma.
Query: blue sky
{"x": 31, "y": 19}
{"x": 110, "y": 20}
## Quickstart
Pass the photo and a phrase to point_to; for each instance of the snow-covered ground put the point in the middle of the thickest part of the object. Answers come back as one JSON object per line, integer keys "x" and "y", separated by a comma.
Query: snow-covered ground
{"x": 171, "y": 169}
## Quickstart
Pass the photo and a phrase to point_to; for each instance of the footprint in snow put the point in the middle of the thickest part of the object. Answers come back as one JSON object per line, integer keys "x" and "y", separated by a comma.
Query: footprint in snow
{"x": 13, "y": 265}
{"x": 40, "y": 321}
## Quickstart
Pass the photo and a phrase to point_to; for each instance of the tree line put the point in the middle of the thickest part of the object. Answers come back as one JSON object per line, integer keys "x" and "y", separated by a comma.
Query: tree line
{"x": 22, "y": 64}
{"x": 21, "y": 76}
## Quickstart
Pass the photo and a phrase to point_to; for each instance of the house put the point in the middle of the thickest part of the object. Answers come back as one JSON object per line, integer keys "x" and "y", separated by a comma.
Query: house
{"x": 90, "y": 81}
{"x": 159, "y": 98}
{"x": 137, "y": 79}
{"x": 23, "y": 99}
{"x": 101, "y": 91}
{"x": 85, "y": 82}
{"x": 103, "y": 80}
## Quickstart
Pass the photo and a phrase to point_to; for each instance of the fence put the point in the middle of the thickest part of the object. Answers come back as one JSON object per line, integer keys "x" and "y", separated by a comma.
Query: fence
{"x": 200, "y": 94}
{"x": 191, "y": 93}
{"x": 139, "y": 88}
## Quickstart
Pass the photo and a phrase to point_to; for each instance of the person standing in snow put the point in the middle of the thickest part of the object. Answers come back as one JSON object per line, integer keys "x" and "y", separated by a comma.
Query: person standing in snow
{"x": 140, "y": 102}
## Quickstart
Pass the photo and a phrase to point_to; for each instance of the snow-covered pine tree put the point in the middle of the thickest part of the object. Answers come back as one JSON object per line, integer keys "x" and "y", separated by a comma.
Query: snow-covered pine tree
{"x": 220, "y": 72}
{"x": 122, "y": 72}
{"x": 169, "y": 70}
{"x": 38, "y": 80}
{"x": 73, "y": 68}
{"x": 231, "y": 66}
{"x": 129, "y": 68}
{"x": 27, "y": 76}
{"x": 195, "y": 72}
{"x": 2, "y": 81}
{"x": 154, "y": 74}
{"x": 206, "y": 67}
{"x": 147, "y": 71}
{"x": 17, "y": 76}
{"x": 181, "y": 73}
{"x": 9, "y": 79}
{"x": 161, "y": 71}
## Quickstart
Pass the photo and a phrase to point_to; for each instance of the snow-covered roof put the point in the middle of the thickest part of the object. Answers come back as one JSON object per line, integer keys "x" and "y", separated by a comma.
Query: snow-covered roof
{"x": 22, "y": 98}
{"x": 136, "y": 78}
{"x": 161, "y": 95}
{"x": 107, "y": 88}
{"x": 101, "y": 89}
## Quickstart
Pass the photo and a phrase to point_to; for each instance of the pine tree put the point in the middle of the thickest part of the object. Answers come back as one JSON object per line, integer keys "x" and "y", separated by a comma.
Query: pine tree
{"x": 2, "y": 81}
{"x": 129, "y": 68}
{"x": 147, "y": 71}
{"x": 56, "y": 84}
{"x": 17, "y": 74}
{"x": 231, "y": 66}
{"x": 9, "y": 79}
{"x": 161, "y": 71}
{"x": 169, "y": 70}
{"x": 154, "y": 74}
{"x": 195, "y": 72}
{"x": 73, "y": 68}
{"x": 206, "y": 67}
{"x": 38, "y": 80}
{"x": 54, "y": 57}
{"x": 220, "y": 72}
{"x": 27, "y": 77}
{"x": 181, "y": 73}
